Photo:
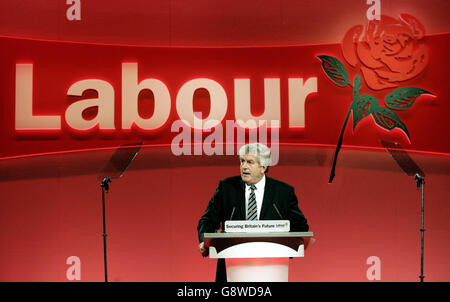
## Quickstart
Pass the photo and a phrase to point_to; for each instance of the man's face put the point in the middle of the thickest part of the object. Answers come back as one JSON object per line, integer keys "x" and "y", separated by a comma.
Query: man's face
{"x": 251, "y": 171}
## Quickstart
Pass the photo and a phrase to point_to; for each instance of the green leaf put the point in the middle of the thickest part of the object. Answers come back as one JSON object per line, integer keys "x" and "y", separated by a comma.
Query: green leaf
{"x": 403, "y": 98}
{"x": 388, "y": 119}
{"x": 357, "y": 85}
{"x": 362, "y": 107}
{"x": 335, "y": 70}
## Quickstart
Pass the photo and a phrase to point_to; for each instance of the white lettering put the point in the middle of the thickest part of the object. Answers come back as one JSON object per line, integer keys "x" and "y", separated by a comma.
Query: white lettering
{"x": 194, "y": 292}
{"x": 185, "y": 102}
{"x": 130, "y": 94}
{"x": 242, "y": 102}
{"x": 298, "y": 91}
{"x": 131, "y": 88}
{"x": 25, "y": 120}
{"x": 104, "y": 102}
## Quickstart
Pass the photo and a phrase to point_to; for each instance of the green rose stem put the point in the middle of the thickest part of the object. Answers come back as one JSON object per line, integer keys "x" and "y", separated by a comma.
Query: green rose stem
{"x": 339, "y": 144}
{"x": 336, "y": 71}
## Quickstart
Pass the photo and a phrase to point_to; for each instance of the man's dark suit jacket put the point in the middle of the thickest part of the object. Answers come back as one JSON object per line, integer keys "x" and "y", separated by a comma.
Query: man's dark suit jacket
{"x": 228, "y": 203}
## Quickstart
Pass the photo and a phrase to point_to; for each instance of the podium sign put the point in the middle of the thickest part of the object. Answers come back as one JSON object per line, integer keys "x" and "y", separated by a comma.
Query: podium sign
{"x": 256, "y": 226}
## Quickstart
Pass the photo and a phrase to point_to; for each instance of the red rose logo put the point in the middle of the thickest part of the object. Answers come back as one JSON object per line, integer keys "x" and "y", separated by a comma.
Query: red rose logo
{"x": 390, "y": 50}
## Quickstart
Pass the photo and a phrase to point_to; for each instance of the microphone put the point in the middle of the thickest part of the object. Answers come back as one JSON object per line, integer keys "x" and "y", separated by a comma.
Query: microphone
{"x": 276, "y": 209}
{"x": 420, "y": 180}
{"x": 232, "y": 213}
{"x": 105, "y": 182}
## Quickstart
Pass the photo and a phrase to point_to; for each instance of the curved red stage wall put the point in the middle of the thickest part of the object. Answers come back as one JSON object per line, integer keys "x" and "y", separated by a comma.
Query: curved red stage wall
{"x": 51, "y": 210}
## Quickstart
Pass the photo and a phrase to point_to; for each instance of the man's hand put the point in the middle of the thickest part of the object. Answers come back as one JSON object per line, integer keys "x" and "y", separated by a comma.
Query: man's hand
{"x": 203, "y": 250}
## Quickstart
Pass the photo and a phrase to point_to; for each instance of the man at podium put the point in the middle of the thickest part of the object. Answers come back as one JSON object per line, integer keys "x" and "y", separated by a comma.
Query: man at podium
{"x": 250, "y": 196}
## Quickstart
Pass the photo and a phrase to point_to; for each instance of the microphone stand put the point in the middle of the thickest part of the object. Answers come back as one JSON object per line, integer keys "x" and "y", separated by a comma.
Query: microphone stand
{"x": 105, "y": 187}
{"x": 421, "y": 184}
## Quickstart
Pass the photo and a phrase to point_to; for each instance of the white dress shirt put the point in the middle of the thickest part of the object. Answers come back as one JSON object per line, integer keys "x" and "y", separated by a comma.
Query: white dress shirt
{"x": 259, "y": 194}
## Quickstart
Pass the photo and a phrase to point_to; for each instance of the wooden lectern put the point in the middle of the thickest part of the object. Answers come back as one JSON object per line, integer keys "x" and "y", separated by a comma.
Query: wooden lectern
{"x": 257, "y": 257}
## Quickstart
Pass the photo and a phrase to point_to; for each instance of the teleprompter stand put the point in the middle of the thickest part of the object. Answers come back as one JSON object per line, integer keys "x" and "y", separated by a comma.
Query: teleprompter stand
{"x": 411, "y": 169}
{"x": 115, "y": 168}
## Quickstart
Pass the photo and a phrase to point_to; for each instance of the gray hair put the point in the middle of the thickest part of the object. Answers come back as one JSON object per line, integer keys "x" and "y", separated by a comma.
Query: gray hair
{"x": 261, "y": 151}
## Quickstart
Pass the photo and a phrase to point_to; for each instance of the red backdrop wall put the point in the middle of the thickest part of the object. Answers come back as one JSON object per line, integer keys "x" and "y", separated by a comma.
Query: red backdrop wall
{"x": 51, "y": 210}
{"x": 50, "y": 197}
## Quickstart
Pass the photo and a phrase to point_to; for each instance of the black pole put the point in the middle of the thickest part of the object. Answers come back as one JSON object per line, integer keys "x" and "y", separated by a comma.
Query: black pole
{"x": 105, "y": 187}
{"x": 421, "y": 183}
